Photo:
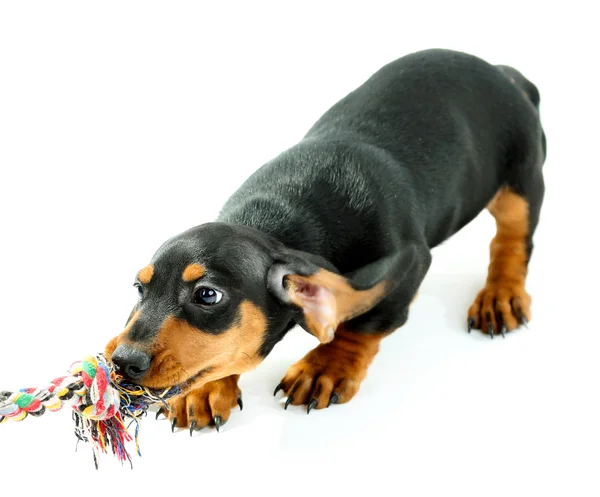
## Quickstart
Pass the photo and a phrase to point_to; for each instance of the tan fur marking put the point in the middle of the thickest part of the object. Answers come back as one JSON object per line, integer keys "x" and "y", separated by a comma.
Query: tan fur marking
{"x": 202, "y": 405}
{"x": 110, "y": 347}
{"x": 337, "y": 367}
{"x": 508, "y": 249}
{"x": 193, "y": 272}
{"x": 145, "y": 274}
{"x": 181, "y": 350}
{"x": 346, "y": 302}
{"x": 414, "y": 298}
{"x": 503, "y": 302}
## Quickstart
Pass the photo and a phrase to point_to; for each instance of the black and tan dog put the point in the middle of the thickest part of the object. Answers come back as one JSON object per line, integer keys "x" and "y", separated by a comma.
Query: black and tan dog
{"x": 335, "y": 235}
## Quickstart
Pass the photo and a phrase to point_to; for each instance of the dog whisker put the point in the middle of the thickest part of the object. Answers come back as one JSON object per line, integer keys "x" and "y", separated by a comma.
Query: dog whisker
{"x": 252, "y": 362}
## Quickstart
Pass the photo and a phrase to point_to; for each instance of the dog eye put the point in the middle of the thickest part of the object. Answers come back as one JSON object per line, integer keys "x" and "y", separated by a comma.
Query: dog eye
{"x": 140, "y": 290}
{"x": 206, "y": 296}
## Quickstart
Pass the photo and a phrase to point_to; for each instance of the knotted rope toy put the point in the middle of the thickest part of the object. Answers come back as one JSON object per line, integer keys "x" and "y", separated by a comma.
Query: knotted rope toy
{"x": 102, "y": 400}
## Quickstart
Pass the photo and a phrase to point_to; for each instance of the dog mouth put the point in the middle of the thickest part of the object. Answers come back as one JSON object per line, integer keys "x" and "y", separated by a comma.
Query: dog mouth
{"x": 187, "y": 384}
{"x": 178, "y": 388}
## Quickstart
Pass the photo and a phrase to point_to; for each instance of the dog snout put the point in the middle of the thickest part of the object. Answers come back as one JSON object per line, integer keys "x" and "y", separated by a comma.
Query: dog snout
{"x": 133, "y": 363}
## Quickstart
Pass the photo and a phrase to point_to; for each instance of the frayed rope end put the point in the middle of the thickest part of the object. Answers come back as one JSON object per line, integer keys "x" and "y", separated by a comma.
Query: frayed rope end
{"x": 105, "y": 405}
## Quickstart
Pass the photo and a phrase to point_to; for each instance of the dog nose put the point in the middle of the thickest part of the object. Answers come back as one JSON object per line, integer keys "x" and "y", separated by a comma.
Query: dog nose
{"x": 131, "y": 362}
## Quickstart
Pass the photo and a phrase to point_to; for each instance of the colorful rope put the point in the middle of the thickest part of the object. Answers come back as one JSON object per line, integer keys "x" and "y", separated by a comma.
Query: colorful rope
{"x": 102, "y": 400}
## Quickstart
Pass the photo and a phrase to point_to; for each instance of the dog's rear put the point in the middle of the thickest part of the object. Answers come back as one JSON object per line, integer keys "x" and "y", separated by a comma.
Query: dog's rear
{"x": 522, "y": 82}
{"x": 528, "y": 88}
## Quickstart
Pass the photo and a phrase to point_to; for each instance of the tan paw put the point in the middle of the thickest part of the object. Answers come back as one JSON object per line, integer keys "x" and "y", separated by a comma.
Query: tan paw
{"x": 210, "y": 404}
{"x": 331, "y": 373}
{"x": 500, "y": 307}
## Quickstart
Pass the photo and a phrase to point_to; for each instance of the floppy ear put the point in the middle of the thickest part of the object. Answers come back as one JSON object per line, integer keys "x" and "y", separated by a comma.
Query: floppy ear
{"x": 327, "y": 298}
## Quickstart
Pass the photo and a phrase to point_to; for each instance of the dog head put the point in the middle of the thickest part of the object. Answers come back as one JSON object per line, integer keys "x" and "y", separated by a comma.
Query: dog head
{"x": 214, "y": 300}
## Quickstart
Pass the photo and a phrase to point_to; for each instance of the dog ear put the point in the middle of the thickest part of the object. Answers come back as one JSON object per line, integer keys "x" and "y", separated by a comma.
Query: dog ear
{"x": 327, "y": 298}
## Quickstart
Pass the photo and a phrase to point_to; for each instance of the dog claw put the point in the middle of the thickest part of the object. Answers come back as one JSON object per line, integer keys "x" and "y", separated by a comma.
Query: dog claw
{"x": 503, "y": 331}
{"x": 217, "y": 420}
{"x": 240, "y": 403}
{"x": 277, "y": 388}
{"x": 193, "y": 427}
{"x": 524, "y": 321}
{"x": 288, "y": 402}
{"x": 160, "y": 411}
{"x": 173, "y": 423}
{"x": 333, "y": 399}
{"x": 491, "y": 330}
{"x": 470, "y": 324}
{"x": 312, "y": 405}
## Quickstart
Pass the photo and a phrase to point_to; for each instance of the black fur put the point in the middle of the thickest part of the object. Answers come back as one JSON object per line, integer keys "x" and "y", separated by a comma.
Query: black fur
{"x": 407, "y": 159}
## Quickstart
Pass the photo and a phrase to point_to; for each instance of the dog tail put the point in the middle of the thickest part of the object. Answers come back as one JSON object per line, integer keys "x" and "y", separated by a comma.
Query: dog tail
{"x": 523, "y": 83}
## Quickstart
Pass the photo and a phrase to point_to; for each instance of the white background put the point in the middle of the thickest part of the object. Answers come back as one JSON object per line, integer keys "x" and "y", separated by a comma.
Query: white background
{"x": 124, "y": 123}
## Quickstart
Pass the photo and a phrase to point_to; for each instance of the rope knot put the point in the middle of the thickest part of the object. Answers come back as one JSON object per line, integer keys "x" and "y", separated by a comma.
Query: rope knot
{"x": 101, "y": 401}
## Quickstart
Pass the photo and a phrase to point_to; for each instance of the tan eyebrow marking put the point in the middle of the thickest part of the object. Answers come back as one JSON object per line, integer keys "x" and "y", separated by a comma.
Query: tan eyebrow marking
{"x": 192, "y": 272}
{"x": 145, "y": 274}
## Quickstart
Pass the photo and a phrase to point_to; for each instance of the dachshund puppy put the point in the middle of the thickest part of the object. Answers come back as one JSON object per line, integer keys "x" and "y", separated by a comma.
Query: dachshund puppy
{"x": 334, "y": 235}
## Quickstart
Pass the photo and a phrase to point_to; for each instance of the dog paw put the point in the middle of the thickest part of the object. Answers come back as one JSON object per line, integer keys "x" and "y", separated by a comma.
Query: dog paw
{"x": 210, "y": 404}
{"x": 330, "y": 374}
{"x": 499, "y": 308}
